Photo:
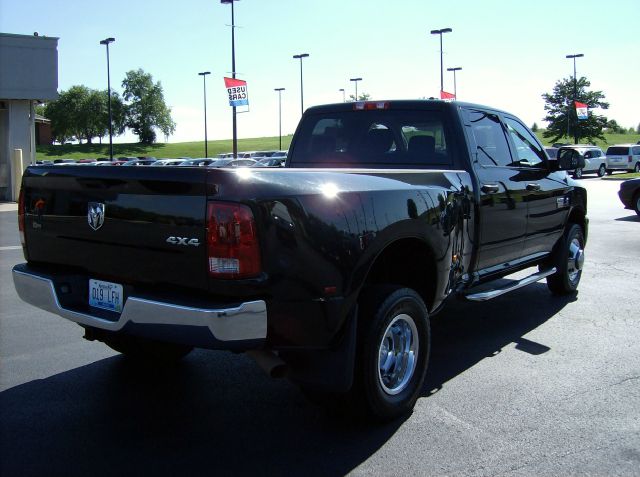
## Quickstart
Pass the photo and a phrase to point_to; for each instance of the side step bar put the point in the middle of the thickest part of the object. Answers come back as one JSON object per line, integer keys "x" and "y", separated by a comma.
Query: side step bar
{"x": 490, "y": 294}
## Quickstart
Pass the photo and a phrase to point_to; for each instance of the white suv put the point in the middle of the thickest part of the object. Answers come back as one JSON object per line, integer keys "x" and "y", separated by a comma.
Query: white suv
{"x": 594, "y": 160}
{"x": 625, "y": 157}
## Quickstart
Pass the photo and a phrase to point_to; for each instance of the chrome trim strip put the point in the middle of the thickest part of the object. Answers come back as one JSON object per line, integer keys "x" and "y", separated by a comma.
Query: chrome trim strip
{"x": 490, "y": 294}
{"x": 247, "y": 321}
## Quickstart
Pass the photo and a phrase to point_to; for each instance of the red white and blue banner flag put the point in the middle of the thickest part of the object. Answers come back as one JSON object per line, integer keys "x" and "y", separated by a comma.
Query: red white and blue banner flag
{"x": 582, "y": 110}
{"x": 447, "y": 96}
{"x": 237, "y": 89}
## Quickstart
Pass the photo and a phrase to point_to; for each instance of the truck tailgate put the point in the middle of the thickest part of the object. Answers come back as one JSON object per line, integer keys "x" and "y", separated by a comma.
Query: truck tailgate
{"x": 131, "y": 225}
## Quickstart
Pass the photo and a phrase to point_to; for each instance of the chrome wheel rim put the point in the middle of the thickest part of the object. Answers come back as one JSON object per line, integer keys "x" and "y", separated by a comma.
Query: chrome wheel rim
{"x": 398, "y": 354}
{"x": 575, "y": 260}
{"x": 601, "y": 171}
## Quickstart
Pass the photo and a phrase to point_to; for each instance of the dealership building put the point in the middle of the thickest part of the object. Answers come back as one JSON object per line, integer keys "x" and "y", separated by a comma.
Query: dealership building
{"x": 28, "y": 76}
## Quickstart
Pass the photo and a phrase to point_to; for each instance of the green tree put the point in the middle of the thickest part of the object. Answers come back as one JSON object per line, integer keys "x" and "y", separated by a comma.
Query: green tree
{"x": 146, "y": 109}
{"x": 561, "y": 112}
{"x": 638, "y": 128}
{"x": 361, "y": 97}
{"x": 82, "y": 113}
{"x": 534, "y": 128}
{"x": 614, "y": 128}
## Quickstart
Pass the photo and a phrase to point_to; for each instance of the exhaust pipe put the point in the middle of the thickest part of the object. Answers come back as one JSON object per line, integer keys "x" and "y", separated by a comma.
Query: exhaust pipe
{"x": 269, "y": 362}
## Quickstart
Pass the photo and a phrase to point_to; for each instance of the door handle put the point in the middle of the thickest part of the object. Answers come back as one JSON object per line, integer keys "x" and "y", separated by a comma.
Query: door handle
{"x": 490, "y": 188}
{"x": 533, "y": 187}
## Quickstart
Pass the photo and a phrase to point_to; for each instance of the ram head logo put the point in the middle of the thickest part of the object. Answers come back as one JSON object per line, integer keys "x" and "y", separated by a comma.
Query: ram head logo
{"x": 95, "y": 215}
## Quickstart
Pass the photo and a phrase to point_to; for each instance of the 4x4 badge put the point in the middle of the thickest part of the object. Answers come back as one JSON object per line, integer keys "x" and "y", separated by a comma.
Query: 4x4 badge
{"x": 95, "y": 215}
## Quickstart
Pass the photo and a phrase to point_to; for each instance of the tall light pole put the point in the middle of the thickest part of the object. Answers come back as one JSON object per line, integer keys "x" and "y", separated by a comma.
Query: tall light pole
{"x": 440, "y": 32}
{"x": 455, "y": 88}
{"x": 233, "y": 74}
{"x": 343, "y": 98}
{"x": 355, "y": 81}
{"x": 106, "y": 42}
{"x": 279, "y": 90}
{"x": 204, "y": 84}
{"x": 299, "y": 57}
{"x": 575, "y": 93}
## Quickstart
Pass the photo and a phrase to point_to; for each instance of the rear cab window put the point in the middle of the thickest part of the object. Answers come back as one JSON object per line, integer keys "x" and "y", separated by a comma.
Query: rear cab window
{"x": 374, "y": 138}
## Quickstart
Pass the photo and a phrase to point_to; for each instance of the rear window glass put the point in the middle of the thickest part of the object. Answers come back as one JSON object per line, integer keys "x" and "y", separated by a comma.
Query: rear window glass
{"x": 618, "y": 151}
{"x": 360, "y": 138}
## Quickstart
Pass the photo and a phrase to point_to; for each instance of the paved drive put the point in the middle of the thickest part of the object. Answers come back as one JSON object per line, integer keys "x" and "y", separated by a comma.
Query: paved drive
{"x": 527, "y": 384}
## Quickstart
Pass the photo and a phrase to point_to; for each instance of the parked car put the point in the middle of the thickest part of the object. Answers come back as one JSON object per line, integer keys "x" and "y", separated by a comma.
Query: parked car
{"x": 594, "y": 160}
{"x": 280, "y": 154}
{"x": 629, "y": 194}
{"x": 112, "y": 163}
{"x": 625, "y": 157}
{"x": 200, "y": 162}
{"x": 64, "y": 161}
{"x": 221, "y": 162}
{"x": 242, "y": 163}
{"x": 270, "y": 162}
{"x": 139, "y": 162}
{"x": 168, "y": 162}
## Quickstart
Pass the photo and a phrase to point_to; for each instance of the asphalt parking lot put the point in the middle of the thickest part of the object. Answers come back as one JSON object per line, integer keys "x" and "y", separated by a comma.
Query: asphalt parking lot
{"x": 527, "y": 384}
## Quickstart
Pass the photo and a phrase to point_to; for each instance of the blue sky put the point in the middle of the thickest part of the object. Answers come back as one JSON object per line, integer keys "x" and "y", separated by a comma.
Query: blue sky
{"x": 510, "y": 51}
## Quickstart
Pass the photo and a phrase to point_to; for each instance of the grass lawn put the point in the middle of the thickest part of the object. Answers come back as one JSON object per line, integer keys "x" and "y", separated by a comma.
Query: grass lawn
{"x": 611, "y": 139}
{"x": 622, "y": 177}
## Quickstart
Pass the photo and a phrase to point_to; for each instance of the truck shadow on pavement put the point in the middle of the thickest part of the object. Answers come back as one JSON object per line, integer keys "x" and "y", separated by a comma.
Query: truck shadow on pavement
{"x": 218, "y": 414}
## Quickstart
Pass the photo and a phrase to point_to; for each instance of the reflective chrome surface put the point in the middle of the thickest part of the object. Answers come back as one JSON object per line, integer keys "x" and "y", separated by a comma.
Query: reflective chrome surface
{"x": 575, "y": 261}
{"x": 247, "y": 321}
{"x": 398, "y": 354}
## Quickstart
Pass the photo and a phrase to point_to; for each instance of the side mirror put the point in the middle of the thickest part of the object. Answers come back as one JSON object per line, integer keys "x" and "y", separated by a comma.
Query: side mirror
{"x": 568, "y": 160}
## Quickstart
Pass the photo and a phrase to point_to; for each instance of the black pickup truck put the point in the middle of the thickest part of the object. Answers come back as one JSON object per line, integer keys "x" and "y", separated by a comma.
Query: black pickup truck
{"x": 327, "y": 270}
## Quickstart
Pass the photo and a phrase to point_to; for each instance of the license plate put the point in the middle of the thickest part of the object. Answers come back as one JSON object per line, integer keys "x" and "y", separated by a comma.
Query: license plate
{"x": 105, "y": 295}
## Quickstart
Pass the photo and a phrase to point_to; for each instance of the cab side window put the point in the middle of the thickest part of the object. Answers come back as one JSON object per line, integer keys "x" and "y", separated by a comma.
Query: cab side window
{"x": 492, "y": 148}
{"x": 528, "y": 151}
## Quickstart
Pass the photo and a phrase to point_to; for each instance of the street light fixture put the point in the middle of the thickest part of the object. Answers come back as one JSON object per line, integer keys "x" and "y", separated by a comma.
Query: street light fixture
{"x": 106, "y": 42}
{"x": 355, "y": 81}
{"x": 440, "y": 32}
{"x": 204, "y": 84}
{"x": 233, "y": 74}
{"x": 343, "y": 98}
{"x": 575, "y": 93}
{"x": 455, "y": 89}
{"x": 299, "y": 57}
{"x": 279, "y": 90}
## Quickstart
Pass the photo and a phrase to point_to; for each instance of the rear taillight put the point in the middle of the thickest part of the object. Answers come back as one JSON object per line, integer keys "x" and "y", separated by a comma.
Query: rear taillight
{"x": 232, "y": 241}
{"x": 21, "y": 217}
{"x": 630, "y": 159}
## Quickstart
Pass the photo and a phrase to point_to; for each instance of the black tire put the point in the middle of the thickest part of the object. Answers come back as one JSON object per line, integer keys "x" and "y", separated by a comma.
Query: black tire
{"x": 637, "y": 167}
{"x": 568, "y": 258}
{"x": 391, "y": 317}
{"x": 146, "y": 350}
{"x": 602, "y": 170}
{"x": 609, "y": 172}
{"x": 577, "y": 174}
{"x": 636, "y": 203}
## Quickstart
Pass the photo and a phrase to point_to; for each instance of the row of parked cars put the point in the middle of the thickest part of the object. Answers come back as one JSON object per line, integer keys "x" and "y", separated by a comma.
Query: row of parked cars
{"x": 243, "y": 159}
{"x": 619, "y": 157}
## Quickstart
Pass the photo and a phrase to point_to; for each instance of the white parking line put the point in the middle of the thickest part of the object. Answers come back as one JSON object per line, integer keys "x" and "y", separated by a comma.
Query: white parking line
{"x": 15, "y": 247}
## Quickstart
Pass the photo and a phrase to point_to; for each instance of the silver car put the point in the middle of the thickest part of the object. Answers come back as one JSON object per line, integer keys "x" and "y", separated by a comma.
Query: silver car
{"x": 623, "y": 157}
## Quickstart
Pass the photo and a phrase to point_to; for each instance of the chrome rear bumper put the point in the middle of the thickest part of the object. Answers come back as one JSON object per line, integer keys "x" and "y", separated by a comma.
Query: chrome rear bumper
{"x": 247, "y": 321}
